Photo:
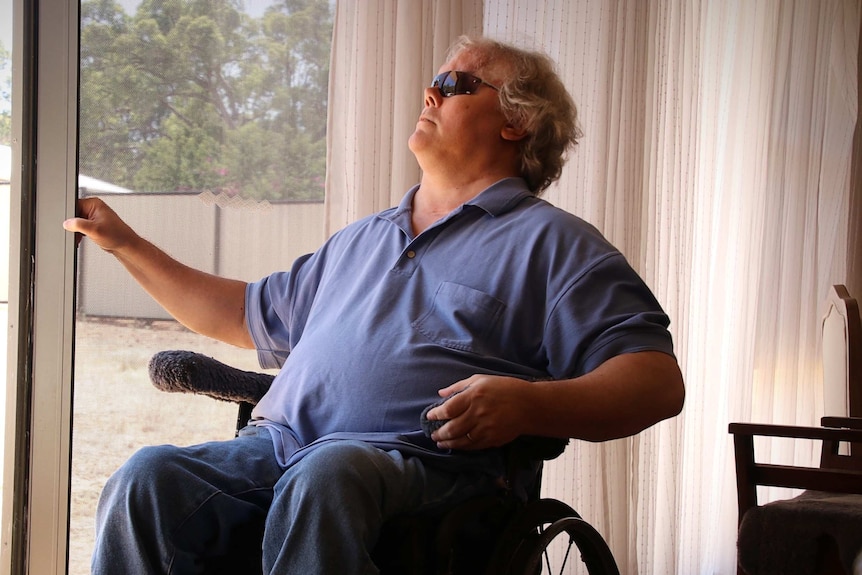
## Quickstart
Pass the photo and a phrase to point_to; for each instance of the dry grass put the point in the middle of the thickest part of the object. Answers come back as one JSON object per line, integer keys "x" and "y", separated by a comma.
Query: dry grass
{"x": 117, "y": 410}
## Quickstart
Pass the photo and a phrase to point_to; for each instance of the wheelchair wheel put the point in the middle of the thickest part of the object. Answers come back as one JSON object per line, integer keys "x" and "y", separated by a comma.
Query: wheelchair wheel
{"x": 549, "y": 537}
{"x": 555, "y": 548}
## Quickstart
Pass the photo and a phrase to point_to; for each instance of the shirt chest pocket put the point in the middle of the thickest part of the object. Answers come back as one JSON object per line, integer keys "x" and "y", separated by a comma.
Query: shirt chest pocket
{"x": 462, "y": 318}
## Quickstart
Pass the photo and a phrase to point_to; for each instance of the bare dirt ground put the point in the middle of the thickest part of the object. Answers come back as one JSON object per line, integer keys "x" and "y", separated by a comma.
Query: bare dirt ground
{"x": 117, "y": 410}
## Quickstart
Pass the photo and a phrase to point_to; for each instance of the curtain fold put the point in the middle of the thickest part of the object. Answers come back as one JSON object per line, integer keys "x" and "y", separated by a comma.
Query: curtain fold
{"x": 384, "y": 52}
{"x": 717, "y": 157}
{"x": 854, "y": 244}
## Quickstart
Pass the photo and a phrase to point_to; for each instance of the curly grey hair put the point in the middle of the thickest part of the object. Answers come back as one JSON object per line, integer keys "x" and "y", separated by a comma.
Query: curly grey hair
{"x": 532, "y": 98}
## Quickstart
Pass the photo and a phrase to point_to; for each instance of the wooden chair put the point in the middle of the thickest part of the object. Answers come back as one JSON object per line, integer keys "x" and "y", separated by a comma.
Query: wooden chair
{"x": 820, "y": 530}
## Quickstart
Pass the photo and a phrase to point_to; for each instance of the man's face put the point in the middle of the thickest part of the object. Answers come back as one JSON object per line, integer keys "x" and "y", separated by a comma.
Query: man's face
{"x": 455, "y": 129}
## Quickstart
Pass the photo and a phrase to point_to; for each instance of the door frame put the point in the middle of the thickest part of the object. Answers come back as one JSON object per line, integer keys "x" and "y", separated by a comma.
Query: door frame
{"x": 40, "y": 331}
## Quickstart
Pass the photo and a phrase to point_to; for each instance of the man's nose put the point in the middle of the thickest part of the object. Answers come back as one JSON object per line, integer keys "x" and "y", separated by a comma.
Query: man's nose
{"x": 433, "y": 97}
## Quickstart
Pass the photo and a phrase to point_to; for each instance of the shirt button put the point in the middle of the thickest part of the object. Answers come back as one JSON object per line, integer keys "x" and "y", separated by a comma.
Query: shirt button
{"x": 411, "y": 254}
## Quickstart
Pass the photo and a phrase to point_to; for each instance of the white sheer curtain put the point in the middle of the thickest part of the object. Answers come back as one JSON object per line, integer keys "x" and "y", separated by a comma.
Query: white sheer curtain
{"x": 716, "y": 156}
{"x": 383, "y": 53}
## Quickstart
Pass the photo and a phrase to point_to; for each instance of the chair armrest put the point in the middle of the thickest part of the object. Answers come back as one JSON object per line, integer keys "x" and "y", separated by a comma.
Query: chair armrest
{"x": 795, "y": 431}
{"x": 842, "y": 422}
{"x": 179, "y": 371}
{"x": 838, "y": 476}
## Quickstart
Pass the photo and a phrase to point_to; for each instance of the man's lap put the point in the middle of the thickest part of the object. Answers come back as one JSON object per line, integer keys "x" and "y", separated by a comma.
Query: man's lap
{"x": 185, "y": 503}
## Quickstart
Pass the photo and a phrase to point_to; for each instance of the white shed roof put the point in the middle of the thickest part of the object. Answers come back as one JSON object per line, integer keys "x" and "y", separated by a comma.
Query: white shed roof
{"x": 91, "y": 185}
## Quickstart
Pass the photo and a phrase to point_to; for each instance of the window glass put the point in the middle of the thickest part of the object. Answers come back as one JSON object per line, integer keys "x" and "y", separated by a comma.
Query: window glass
{"x": 5, "y": 176}
{"x": 203, "y": 124}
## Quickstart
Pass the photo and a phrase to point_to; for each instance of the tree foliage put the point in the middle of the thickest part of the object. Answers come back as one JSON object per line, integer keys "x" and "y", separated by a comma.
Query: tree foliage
{"x": 5, "y": 97}
{"x": 199, "y": 95}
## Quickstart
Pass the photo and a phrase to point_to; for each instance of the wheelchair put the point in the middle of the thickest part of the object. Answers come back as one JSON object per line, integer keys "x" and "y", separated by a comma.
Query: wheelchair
{"x": 512, "y": 532}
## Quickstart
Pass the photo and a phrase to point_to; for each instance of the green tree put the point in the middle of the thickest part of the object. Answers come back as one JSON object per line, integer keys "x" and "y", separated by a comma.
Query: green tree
{"x": 196, "y": 94}
{"x": 5, "y": 97}
{"x": 109, "y": 129}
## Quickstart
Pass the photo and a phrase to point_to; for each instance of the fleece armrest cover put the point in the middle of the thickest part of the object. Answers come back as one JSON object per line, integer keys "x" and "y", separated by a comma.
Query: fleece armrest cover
{"x": 190, "y": 372}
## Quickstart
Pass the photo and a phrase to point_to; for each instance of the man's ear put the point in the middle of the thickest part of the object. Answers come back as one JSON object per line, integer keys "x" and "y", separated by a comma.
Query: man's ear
{"x": 513, "y": 133}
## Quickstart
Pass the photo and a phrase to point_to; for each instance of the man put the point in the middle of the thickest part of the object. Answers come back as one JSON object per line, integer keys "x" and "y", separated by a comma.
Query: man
{"x": 518, "y": 314}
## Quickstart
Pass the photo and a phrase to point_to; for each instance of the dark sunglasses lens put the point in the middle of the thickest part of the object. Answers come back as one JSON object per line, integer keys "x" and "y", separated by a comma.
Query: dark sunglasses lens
{"x": 454, "y": 83}
{"x": 446, "y": 83}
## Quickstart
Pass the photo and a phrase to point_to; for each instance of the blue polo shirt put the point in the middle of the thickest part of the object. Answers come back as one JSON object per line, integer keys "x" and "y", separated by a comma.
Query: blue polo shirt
{"x": 367, "y": 329}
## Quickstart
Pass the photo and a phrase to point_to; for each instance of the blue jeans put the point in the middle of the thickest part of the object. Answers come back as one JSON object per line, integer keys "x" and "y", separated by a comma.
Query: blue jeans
{"x": 214, "y": 507}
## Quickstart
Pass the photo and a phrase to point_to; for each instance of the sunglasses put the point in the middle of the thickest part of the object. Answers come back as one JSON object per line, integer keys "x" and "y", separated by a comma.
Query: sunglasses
{"x": 454, "y": 83}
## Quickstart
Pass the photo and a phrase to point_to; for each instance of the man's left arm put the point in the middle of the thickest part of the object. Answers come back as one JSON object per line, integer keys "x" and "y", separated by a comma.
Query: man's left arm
{"x": 621, "y": 397}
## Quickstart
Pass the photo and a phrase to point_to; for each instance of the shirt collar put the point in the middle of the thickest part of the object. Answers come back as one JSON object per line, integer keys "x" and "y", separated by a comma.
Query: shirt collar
{"x": 496, "y": 199}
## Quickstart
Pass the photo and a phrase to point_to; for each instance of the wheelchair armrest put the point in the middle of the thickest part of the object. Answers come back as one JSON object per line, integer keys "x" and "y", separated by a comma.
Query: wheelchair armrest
{"x": 536, "y": 448}
{"x": 179, "y": 371}
{"x": 523, "y": 449}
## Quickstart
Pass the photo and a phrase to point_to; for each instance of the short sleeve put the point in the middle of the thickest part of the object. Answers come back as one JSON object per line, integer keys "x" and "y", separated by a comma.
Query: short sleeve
{"x": 276, "y": 308}
{"x": 607, "y": 311}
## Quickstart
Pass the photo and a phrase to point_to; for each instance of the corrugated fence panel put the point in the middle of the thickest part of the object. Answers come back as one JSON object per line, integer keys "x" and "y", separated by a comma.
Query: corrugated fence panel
{"x": 257, "y": 242}
{"x": 179, "y": 224}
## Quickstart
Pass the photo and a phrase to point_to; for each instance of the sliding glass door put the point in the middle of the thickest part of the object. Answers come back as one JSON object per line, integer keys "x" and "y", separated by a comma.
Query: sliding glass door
{"x": 203, "y": 125}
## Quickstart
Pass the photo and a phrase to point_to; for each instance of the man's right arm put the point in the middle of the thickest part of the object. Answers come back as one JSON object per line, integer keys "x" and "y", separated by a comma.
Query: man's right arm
{"x": 207, "y": 304}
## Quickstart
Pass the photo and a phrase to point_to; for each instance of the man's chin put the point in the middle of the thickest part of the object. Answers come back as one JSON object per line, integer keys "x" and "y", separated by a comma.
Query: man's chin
{"x": 416, "y": 141}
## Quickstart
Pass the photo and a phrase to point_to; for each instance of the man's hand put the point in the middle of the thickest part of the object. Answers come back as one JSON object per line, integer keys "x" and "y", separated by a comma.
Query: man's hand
{"x": 483, "y": 411}
{"x": 101, "y": 224}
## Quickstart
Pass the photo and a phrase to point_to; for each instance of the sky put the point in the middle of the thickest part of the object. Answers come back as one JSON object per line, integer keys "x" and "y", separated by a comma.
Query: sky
{"x": 6, "y": 23}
